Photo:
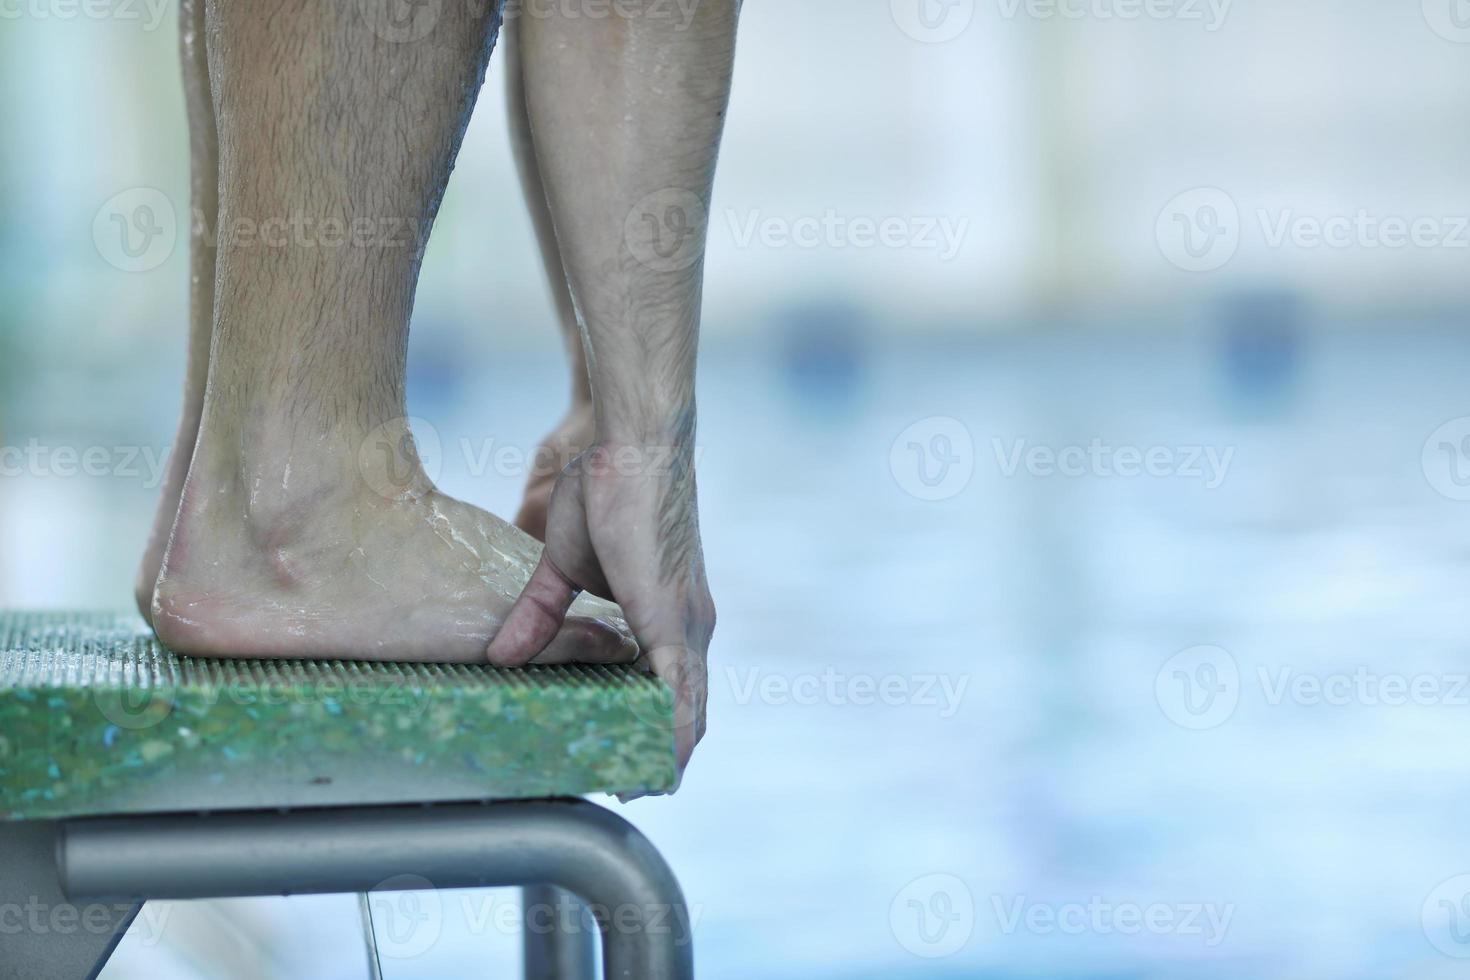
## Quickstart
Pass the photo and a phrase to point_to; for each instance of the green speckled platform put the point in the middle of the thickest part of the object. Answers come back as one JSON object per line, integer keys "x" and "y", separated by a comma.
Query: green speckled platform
{"x": 97, "y": 718}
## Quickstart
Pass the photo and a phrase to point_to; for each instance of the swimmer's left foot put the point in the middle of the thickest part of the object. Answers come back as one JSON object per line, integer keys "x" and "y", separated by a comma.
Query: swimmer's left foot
{"x": 337, "y": 546}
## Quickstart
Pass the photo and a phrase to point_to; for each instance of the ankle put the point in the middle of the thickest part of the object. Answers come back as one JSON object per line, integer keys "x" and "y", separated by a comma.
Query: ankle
{"x": 284, "y": 483}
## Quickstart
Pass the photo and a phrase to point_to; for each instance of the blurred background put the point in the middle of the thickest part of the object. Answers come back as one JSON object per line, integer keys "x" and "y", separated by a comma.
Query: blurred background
{"x": 1085, "y": 470}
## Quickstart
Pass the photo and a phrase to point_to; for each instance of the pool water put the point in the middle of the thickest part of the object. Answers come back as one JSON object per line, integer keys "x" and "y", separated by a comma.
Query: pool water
{"x": 1127, "y": 653}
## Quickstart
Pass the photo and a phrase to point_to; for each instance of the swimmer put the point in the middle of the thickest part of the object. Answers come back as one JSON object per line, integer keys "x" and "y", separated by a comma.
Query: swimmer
{"x": 301, "y": 524}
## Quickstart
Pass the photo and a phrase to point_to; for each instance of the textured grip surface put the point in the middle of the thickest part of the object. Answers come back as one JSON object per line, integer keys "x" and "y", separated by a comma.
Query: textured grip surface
{"x": 97, "y": 718}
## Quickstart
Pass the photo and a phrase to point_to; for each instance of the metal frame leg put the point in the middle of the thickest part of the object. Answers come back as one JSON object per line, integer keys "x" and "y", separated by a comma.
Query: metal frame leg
{"x": 572, "y": 844}
{"x": 43, "y": 936}
{"x": 557, "y": 935}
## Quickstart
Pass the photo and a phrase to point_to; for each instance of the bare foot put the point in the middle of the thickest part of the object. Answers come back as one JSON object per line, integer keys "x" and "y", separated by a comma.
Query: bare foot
{"x": 565, "y": 443}
{"x": 327, "y": 554}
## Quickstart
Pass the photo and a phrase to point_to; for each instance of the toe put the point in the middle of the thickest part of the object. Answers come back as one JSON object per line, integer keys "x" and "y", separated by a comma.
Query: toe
{"x": 586, "y": 640}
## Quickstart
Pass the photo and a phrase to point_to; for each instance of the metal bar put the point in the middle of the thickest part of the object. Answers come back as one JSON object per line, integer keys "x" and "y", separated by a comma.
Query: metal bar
{"x": 369, "y": 937}
{"x": 43, "y": 934}
{"x": 591, "y": 852}
{"x": 557, "y": 933}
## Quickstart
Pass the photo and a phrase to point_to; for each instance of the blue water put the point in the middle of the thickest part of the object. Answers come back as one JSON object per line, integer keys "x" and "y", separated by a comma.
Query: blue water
{"x": 959, "y": 726}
